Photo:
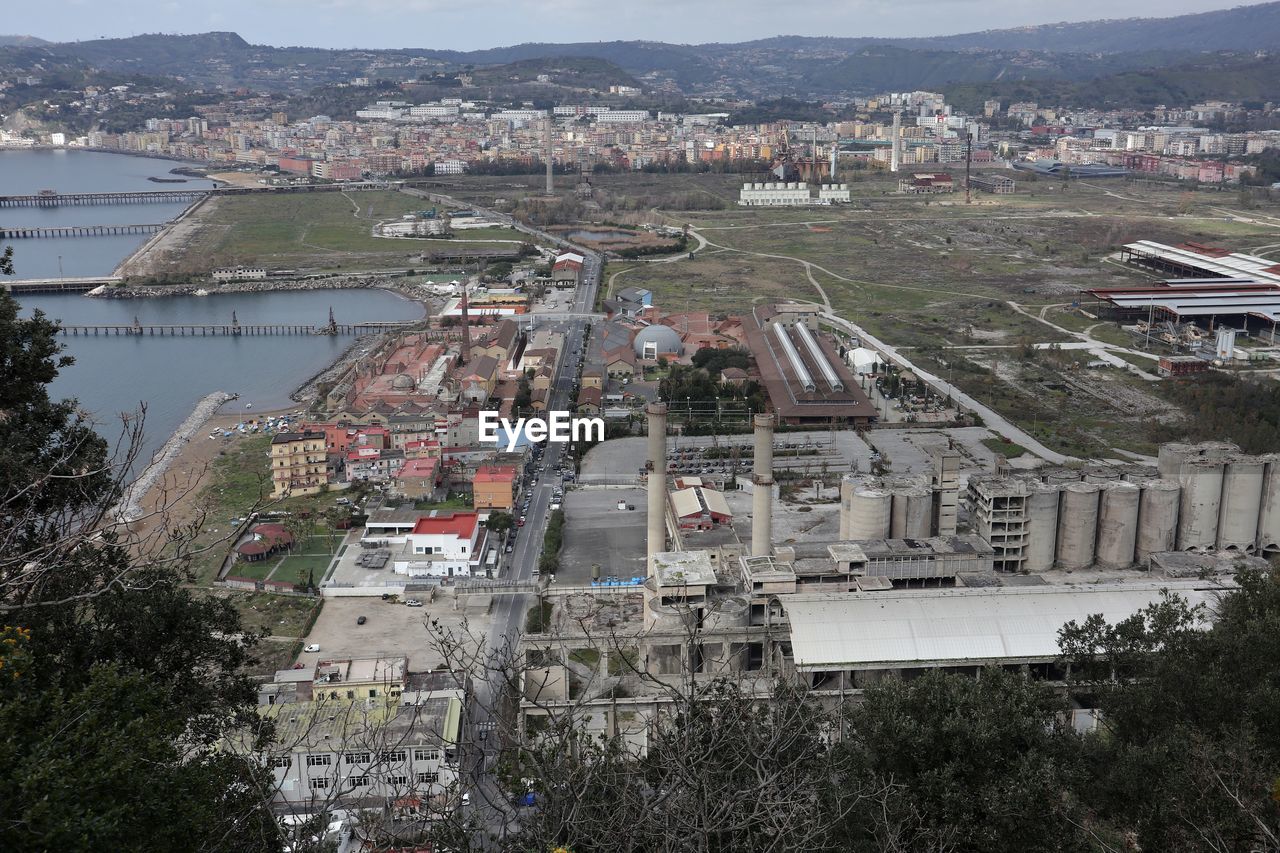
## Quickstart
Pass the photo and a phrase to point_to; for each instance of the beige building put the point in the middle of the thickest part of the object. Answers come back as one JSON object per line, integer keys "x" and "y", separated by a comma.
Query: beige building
{"x": 298, "y": 464}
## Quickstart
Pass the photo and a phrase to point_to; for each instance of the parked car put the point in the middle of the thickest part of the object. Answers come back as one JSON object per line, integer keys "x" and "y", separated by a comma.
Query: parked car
{"x": 312, "y": 647}
{"x": 412, "y": 602}
{"x": 362, "y": 620}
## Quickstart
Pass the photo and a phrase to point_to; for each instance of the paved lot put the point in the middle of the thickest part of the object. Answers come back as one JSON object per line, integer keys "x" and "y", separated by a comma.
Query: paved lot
{"x": 596, "y": 531}
{"x": 391, "y": 629}
{"x": 792, "y": 522}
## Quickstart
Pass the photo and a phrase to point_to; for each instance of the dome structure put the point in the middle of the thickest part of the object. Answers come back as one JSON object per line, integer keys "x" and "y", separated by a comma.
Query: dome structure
{"x": 654, "y": 341}
{"x": 403, "y": 382}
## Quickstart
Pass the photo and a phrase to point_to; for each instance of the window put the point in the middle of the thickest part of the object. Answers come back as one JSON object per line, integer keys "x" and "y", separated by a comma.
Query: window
{"x": 359, "y": 781}
{"x": 428, "y": 778}
{"x": 373, "y": 691}
{"x": 319, "y": 784}
{"x": 426, "y": 755}
{"x": 357, "y": 758}
{"x": 397, "y": 780}
{"x": 394, "y": 755}
{"x": 351, "y": 694}
{"x": 319, "y": 760}
{"x": 281, "y": 762}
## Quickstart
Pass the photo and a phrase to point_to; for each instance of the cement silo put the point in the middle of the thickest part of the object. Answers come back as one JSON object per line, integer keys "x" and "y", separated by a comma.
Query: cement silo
{"x": 912, "y": 512}
{"x": 1077, "y": 525}
{"x": 1101, "y": 474}
{"x": 1118, "y": 524}
{"x": 1140, "y": 473}
{"x": 1042, "y": 527}
{"x": 1157, "y": 518}
{"x": 1172, "y": 458}
{"x": 1061, "y": 476}
{"x": 1241, "y": 504}
{"x": 870, "y": 510}
{"x": 848, "y": 485}
{"x": 1201, "y": 501}
{"x": 1269, "y": 515}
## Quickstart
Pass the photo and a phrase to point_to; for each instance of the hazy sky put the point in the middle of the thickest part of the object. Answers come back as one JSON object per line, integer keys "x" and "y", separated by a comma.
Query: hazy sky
{"x": 469, "y": 24}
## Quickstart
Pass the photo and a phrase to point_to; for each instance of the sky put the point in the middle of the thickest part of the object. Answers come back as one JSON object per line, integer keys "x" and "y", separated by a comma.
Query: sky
{"x": 454, "y": 25}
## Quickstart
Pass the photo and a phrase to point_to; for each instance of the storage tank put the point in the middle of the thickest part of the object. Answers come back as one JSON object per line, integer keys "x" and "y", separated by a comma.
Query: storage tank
{"x": 1101, "y": 474}
{"x": 1061, "y": 476}
{"x": 1269, "y": 514}
{"x": 1140, "y": 473}
{"x": 1118, "y": 524}
{"x": 870, "y": 509}
{"x": 1200, "y": 503}
{"x": 1241, "y": 503}
{"x": 1172, "y": 457}
{"x": 726, "y": 613}
{"x": 1077, "y": 525}
{"x": 1157, "y": 518}
{"x": 848, "y": 484}
{"x": 912, "y": 512}
{"x": 1042, "y": 527}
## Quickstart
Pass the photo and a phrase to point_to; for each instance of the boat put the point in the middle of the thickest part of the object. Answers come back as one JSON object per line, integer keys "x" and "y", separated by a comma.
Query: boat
{"x": 248, "y": 405}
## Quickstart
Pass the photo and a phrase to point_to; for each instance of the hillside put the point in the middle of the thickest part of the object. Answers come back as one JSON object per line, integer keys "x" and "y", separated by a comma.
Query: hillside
{"x": 1225, "y": 76}
{"x": 5, "y": 41}
{"x": 570, "y": 71}
{"x": 1242, "y": 28}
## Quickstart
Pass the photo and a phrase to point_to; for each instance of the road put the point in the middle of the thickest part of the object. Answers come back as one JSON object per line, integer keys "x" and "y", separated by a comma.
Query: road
{"x": 508, "y": 613}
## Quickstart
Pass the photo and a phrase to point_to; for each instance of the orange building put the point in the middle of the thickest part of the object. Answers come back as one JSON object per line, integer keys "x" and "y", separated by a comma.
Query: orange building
{"x": 494, "y": 487}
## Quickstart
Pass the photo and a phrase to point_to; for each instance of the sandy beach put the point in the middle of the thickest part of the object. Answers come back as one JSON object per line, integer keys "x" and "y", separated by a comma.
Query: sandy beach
{"x": 174, "y": 499}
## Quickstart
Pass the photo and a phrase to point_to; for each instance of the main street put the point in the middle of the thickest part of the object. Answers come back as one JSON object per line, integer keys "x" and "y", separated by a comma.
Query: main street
{"x": 488, "y": 801}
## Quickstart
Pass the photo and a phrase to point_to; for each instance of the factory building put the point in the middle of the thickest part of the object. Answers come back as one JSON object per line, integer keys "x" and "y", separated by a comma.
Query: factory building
{"x": 791, "y": 194}
{"x": 803, "y": 374}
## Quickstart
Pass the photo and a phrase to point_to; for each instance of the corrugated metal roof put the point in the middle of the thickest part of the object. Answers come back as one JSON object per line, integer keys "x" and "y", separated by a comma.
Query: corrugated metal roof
{"x": 921, "y": 627}
{"x": 685, "y": 503}
{"x": 716, "y": 502}
{"x": 1233, "y": 263}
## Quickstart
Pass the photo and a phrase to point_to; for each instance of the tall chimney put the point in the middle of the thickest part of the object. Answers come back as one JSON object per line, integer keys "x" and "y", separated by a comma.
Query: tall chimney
{"x": 897, "y": 137}
{"x": 550, "y": 156}
{"x": 762, "y": 484}
{"x": 466, "y": 327}
{"x": 657, "y": 486}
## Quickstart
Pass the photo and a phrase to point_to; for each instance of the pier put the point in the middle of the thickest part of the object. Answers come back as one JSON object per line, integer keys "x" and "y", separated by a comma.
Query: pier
{"x": 59, "y": 285}
{"x": 234, "y": 328}
{"x": 16, "y": 232}
{"x": 52, "y": 198}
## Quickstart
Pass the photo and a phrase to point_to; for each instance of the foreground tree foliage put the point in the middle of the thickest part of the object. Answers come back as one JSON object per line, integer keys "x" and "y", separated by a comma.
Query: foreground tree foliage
{"x": 117, "y": 683}
{"x": 1186, "y": 756}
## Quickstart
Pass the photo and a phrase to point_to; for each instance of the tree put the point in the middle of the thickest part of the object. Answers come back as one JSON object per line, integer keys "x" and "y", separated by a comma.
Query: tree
{"x": 499, "y": 522}
{"x": 120, "y": 682}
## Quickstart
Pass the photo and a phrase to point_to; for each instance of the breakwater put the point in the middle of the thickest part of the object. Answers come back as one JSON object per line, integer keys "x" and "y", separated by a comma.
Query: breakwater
{"x": 130, "y": 508}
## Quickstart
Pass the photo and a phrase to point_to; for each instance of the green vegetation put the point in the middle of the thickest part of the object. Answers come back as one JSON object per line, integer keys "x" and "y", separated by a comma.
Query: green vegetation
{"x": 539, "y": 617}
{"x": 1004, "y": 448}
{"x": 119, "y": 682}
{"x": 552, "y": 541}
{"x": 1245, "y": 411}
{"x": 589, "y": 658}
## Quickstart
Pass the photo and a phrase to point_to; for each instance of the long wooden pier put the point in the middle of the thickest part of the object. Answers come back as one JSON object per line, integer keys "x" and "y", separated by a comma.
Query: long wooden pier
{"x": 235, "y": 329}
{"x": 51, "y": 198}
{"x": 17, "y": 232}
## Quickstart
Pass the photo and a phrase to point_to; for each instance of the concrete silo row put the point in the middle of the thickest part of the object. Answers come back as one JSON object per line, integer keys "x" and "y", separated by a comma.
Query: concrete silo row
{"x": 873, "y": 508}
{"x": 1229, "y": 501}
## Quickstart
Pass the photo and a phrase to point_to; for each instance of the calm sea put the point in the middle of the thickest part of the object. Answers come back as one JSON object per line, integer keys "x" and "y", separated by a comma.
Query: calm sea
{"x": 170, "y": 375}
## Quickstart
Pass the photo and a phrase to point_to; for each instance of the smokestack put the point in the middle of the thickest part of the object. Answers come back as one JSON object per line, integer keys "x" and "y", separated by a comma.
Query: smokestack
{"x": 550, "y": 157}
{"x": 897, "y": 136}
{"x": 657, "y": 486}
{"x": 466, "y": 327}
{"x": 762, "y": 494}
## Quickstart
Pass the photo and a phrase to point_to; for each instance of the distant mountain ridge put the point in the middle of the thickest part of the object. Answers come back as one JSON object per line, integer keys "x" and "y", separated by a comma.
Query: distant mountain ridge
{"x": 782, "y": 66}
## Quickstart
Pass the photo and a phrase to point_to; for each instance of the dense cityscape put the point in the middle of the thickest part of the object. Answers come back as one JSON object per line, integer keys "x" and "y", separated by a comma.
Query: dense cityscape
{"x": 637, "y": 446}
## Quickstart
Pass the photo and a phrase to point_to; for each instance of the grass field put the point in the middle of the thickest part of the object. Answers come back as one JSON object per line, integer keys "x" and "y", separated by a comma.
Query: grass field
{"x": 317, "y": 231}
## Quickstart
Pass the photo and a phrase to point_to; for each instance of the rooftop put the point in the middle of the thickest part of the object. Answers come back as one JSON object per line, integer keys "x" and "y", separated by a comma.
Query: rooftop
{"x": 461, "y": 524}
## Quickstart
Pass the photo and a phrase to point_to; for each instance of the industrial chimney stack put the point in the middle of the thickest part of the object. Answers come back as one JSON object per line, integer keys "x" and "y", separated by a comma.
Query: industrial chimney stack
{"x": 656, "y": 539}
{"x": 762, "y": 488}
{"x": 897, "y": 142}
{"x": 550, "y": 156}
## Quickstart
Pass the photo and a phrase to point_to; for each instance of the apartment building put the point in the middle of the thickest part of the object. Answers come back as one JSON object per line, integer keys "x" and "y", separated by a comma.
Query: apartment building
{"x": 298, "y": 464}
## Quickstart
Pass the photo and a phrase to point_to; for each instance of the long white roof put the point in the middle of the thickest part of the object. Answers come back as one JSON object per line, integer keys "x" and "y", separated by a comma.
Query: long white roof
{"x": 1234, "y": 264}
{"x": 837, "y": 631}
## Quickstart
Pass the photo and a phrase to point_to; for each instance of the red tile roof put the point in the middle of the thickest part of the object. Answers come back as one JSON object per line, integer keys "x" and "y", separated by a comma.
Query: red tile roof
{"x": 460, "y": 524}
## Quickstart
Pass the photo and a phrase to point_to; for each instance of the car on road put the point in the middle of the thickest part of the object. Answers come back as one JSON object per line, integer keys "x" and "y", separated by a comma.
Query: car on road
{"x": 412, "y": 602}
{"x": 312, "y": 647}
{"x": 520, "y": 521}
{"x": 362, "y": 620}
{"x": 510, "y": 548}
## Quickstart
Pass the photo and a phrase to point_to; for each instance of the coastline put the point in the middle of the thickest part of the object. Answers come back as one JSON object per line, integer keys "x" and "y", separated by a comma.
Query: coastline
{"x": 135, "y": 501}
{"x": 396, "y": 282}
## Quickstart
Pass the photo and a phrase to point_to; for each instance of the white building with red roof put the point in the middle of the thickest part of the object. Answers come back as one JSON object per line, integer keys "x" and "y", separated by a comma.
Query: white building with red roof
{"x": 443, "y": 544}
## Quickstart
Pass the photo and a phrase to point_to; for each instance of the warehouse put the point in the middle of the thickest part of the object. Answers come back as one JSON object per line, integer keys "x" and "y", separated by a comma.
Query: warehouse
{"x": 1192, "y": 300}
{"x": 1193, "y": 260}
